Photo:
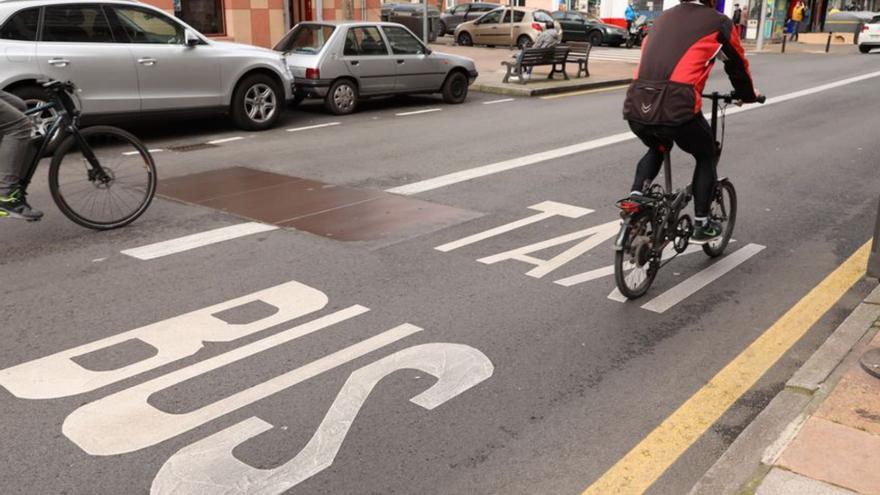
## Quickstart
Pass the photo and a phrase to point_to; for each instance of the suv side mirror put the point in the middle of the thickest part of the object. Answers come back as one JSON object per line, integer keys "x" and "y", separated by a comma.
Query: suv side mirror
{"x": 428, "y": 51}
{"x": 190, "y": 39}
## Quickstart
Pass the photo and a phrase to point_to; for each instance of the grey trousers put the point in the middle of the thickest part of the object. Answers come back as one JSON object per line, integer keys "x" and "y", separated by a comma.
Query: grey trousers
{"x": 15, "y": 134}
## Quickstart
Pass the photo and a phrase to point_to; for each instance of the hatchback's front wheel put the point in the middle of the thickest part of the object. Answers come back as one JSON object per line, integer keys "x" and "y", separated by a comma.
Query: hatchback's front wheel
{"x": 455, "y": 88}
{"x": 464, "y": 39}
{"x": 342, "y": 98}
{"x": 257, "y": 103}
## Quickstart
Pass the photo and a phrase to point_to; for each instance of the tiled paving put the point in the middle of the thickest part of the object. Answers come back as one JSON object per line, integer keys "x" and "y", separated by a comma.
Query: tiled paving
{"x": 337, "y": 212}
{"x": 835, "y": 454}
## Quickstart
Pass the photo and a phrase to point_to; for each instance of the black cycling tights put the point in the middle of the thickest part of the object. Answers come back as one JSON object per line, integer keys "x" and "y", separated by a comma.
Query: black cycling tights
{"x": 694, "y": 137}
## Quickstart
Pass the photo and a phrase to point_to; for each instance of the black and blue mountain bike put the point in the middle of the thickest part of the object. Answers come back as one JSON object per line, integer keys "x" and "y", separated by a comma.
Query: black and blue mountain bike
{"x": 100, "y": 177}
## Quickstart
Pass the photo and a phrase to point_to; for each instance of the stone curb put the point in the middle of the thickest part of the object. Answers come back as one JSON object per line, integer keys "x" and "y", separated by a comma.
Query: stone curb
{"x": 745, "y": 463}
{"x": 525, "y": 90}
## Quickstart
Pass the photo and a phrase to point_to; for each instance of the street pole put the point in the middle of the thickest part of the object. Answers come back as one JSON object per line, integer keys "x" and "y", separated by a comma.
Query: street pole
{"x": 760, "y": 42}
{"x": 512, "y": 42}
{"x": 425, "y": 23}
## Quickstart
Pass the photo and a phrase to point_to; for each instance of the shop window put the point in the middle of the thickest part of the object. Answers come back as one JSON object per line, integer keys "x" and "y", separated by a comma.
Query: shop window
{"x": 206, "y": 16}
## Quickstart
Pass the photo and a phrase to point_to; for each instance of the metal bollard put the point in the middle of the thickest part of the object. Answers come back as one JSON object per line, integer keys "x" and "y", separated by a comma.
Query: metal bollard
{"x": 874, "y": 258}
{"x": 828, "y": 44}
{"x": 784, "y": 37}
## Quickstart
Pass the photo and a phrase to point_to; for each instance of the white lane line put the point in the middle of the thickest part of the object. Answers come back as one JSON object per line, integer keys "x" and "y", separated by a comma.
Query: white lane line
{"x": 181, "y": 244}
{"x": 417, "y": 112}
{"x": 503, "y": 100}
{"x": 310, "y": 127}
{"x": 225, "y": 140}
{"x": 131, "y": 153}
{"x": 701, "y": 279}
{"x": 494, "y": 168}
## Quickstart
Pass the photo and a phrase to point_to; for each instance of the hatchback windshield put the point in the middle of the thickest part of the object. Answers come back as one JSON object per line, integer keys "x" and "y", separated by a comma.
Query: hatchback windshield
{"x": 305, "y": 38}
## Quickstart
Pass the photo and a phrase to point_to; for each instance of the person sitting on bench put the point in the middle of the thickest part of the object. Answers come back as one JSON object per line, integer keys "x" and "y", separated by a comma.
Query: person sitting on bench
{"x": 548, "y": 38}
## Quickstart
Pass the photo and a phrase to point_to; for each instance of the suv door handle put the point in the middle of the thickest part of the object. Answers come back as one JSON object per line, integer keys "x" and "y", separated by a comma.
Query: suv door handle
{"x": 149, "y": 62}
{"x": 354, "y": 62}
{"x": 59, "y": 62}
{"x": 401, "y": 61}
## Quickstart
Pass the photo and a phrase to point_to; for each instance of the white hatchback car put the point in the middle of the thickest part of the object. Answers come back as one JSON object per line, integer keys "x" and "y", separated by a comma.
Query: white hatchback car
{"x": 129, "y": 58}
{"x": 869, "y": 38}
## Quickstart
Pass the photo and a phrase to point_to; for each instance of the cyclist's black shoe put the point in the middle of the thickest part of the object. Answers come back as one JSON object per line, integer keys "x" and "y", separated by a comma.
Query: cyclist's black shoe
{"x": 708, "y": 231}
{"x": 15, "y": 205}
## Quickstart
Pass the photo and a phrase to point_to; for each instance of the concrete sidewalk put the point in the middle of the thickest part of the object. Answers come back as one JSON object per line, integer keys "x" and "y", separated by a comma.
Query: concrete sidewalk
{"x": 819, "y": 436}
{"x": 488, "y": 62}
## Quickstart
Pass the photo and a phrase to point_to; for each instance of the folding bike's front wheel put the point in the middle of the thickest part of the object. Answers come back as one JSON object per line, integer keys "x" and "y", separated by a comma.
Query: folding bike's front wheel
{"x": 108, "y": 197}
{"x": 722, "y": 210}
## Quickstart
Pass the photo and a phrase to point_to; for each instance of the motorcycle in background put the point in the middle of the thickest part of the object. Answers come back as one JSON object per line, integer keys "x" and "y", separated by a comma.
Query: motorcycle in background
{"x": 637, "y": 32}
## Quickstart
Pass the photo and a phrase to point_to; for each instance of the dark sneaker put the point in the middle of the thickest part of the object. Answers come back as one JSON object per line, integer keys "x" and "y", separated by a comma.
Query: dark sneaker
{"x": 14, "y": 205}
{"x": 707, "y": 232}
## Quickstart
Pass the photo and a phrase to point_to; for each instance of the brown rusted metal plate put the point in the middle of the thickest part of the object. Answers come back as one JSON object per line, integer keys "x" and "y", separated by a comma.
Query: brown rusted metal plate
{"x": 204, "y": 186}
{"x": 380, "y": 218}
{"x": 336, "y": 212}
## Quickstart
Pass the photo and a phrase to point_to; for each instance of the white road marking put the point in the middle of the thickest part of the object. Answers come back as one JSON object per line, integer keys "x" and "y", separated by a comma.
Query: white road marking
{"x": 116, "y": 424}
{"x": 310, "y": 127}
{"x": 605, "y": 271}
{"x": 592, "y": 236}
{"x": 427, "y": 110}
{"x": 181, "y": 244}
{"x": 547, "y": 208}
{"x": 494, "y": 168}
{"x": 225, "y": 140}
{"x": 503, "y": 100}
{"x": 473, "y": 173}
{"x": 208, "y": 467}
{"x": 701, "y": 279}
{"x": 130, "y": 153}
{"x": 59, "y": 375}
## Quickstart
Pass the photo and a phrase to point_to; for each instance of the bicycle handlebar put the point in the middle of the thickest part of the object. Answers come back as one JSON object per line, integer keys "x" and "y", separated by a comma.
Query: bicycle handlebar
{"x": 730, "y": 97}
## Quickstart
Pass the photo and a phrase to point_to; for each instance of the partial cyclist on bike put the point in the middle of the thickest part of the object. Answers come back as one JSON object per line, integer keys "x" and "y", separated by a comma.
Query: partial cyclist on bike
{"x": 663, "y": 103}
{"x": 15, "y": 136}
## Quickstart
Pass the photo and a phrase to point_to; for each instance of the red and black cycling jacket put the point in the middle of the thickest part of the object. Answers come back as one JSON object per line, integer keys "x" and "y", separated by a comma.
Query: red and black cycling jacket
{"x": 676, "y": 60}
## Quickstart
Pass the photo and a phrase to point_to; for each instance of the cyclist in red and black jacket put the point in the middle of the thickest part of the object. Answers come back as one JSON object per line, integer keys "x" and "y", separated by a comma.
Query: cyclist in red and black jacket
{"x": 663, "y": 103}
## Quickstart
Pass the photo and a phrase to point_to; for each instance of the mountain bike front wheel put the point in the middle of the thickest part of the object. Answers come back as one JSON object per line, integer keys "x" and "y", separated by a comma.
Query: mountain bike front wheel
{"x": 723, "y": 211}
{"x": 109, "y": 196}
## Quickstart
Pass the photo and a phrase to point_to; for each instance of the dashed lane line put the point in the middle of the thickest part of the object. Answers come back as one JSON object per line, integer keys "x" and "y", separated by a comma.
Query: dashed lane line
{"x": 316, "y": 126}
{"x": 704, "y": 277}
{"x": 584, "y": 92}
{"x": 649, "y": 459}
{"x": 417, "y": 112}
{"x": 503, "y": 100}
{"x": 193, "y": 241}
{"x": 226, "y": 140}
{"x": 523, "y": 161}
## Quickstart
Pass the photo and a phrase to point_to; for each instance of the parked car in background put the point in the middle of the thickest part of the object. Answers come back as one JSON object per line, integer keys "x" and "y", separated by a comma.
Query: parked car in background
{"x": 128, "y": 58}
{"x": 494, "y": 28}
{"x": 463, "y": 13}
{"x": 346, "y": 61}
{"x": 578, "y": 26}
{"x": 869, "y": 38}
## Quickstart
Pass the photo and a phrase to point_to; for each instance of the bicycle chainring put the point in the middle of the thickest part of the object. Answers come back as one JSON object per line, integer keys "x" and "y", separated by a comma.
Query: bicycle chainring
{"x": 684, "y": 229}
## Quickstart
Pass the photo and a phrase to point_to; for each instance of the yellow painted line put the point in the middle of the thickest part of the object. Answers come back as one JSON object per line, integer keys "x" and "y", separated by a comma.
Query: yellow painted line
{"x": 584, "y": 92}
{"x": 647, "y": 461}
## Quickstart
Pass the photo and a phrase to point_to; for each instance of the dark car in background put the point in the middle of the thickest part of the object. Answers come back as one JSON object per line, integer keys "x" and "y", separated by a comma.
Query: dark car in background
{"x": 578, "y": 26}
{"x": 463, "y": 13}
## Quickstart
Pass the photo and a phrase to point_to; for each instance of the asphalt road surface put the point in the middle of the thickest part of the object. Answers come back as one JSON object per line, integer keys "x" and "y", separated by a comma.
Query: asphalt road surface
{"x": 475, "y": 354}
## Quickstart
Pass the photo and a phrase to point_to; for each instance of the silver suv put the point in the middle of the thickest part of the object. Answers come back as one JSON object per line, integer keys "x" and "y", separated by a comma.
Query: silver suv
{"x": 130, "y": 58}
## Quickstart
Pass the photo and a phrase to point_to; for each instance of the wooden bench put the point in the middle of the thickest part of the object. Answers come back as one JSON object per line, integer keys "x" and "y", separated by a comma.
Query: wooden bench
{"x": 579, "y": 53}
{"x": 533, "y": 57}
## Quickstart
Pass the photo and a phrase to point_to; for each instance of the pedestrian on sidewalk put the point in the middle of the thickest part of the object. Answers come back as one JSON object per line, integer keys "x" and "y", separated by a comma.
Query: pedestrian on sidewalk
{"x": 797, "y": 16}
{"x": 629, "y": 15}
{"x": 737, "y": 18}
